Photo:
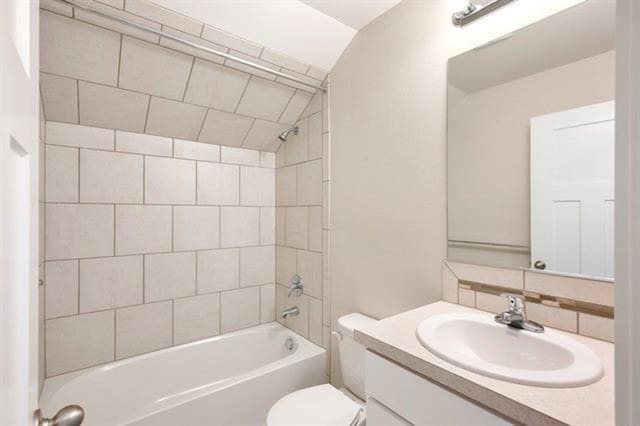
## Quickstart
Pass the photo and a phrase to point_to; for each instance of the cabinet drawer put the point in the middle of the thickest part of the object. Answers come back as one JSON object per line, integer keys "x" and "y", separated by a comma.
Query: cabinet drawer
{"x": 378, "y": 415}
{"x": 419, "y": 400}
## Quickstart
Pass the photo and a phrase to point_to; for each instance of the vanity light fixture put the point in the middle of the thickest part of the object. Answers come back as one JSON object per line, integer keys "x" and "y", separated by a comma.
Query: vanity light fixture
{"x": 465, "y": 12}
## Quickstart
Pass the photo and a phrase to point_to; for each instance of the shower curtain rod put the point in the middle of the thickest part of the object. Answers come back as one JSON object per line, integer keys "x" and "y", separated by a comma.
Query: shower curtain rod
{"x": 178, "y": 39}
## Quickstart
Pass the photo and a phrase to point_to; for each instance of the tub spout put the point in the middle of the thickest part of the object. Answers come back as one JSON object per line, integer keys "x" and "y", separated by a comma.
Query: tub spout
{"x": 290, "y": 312}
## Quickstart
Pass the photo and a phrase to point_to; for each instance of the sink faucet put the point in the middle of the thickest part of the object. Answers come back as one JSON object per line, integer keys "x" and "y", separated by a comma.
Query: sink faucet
{"x": 516, "y": 316}
{"x": 290, "y": 312}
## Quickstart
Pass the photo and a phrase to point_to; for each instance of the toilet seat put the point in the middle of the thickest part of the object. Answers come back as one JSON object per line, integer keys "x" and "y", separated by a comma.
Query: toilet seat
{"x": 321, "y": 405}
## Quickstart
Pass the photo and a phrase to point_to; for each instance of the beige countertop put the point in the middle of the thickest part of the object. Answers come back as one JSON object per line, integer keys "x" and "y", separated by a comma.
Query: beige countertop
{"x": 395, "y": 339}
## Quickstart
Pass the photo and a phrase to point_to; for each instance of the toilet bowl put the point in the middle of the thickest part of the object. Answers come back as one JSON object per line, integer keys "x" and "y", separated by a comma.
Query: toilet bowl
{"x": 325, "y": 405}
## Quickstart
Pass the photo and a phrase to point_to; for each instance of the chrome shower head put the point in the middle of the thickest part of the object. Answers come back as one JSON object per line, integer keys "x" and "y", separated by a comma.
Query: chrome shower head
{"x": 283, "y": 136}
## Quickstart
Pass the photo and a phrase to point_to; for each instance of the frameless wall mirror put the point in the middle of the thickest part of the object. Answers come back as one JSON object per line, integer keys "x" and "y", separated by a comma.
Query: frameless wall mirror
{"x": 531, "y": 146}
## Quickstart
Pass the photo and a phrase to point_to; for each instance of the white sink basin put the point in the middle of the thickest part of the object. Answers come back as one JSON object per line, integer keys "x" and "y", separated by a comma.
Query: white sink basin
{"x": 476, "y": 342}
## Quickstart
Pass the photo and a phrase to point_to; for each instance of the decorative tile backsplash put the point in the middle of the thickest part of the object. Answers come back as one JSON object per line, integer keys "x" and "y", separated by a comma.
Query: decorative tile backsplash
{"x": 151, "y": 242}
{"x": 574, "y": 304}
{"x": 101, "y": 73}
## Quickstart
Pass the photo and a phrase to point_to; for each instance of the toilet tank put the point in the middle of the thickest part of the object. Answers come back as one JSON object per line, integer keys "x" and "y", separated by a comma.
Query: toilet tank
{"x": 352, "y": 353}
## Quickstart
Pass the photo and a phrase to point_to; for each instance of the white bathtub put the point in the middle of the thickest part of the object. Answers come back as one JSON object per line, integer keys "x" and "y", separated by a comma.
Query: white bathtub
{"x": 226, "y": 380}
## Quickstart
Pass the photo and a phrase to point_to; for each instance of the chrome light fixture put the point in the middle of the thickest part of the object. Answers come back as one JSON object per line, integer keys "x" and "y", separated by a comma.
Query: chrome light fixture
{"x": 465, "y": 12}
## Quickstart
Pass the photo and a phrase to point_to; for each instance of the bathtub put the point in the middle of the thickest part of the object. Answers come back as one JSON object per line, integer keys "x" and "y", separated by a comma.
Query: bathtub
{"x": 232, "y": 379}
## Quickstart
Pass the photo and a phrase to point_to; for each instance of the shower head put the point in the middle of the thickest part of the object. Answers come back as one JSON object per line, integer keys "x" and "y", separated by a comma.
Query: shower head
{"x": 283, "y": 136}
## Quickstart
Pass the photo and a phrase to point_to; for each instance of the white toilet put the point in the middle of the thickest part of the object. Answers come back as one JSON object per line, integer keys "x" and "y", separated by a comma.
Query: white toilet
{"x": 325, "y": 405}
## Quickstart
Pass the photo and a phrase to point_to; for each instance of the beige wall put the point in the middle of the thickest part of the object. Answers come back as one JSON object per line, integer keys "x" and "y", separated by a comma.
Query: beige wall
{"x": 488, "y": 149}
{"x": 388, "y": 154}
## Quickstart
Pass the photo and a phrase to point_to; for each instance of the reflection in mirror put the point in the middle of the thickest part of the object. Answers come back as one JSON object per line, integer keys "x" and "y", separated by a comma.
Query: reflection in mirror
{"x": 530, "y": 146}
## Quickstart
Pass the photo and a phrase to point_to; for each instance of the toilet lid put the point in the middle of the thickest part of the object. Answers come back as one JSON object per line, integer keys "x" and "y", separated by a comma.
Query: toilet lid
{"x": 321, "y": 405}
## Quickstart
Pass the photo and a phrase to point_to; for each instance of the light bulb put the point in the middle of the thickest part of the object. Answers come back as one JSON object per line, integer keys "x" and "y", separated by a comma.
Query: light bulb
{"x": 456, "y": 6}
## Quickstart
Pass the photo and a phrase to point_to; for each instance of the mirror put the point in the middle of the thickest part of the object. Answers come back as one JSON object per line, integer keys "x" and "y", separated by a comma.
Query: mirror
{"x": 531, "y": 146}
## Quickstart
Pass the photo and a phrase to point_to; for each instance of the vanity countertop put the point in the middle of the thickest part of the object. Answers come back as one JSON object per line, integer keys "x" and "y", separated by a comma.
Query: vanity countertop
{"x": 395, "y": 339}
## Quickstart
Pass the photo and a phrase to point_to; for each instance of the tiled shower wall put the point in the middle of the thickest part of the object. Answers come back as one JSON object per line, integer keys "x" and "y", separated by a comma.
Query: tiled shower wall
{"x": 152, "y": 242}
{"x": 302, "y": 223}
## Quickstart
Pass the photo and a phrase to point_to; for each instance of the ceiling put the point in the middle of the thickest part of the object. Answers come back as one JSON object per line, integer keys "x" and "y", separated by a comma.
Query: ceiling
{"x": 582, "y": 31}
{"x": 313, "y": 31}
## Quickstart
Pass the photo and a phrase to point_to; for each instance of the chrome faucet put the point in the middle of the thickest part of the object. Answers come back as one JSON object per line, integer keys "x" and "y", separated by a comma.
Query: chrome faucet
{"x": 516, "y": 316}
{"x": 291, "y": 312}
{"x": 296, "y": 286}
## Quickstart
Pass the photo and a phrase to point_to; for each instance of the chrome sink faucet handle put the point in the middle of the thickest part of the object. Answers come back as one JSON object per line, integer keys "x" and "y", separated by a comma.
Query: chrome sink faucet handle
{"x": 516, "y": 316}
{"x": 296, "y": 286}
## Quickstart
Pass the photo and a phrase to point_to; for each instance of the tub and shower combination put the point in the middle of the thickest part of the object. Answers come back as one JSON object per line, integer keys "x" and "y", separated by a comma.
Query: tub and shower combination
{"x": 232, "y": 379}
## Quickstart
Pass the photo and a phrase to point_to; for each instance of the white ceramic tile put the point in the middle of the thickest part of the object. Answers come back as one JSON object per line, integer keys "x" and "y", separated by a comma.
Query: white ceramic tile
{"x": 257, "y": 186}
{"x": 218, "y": 270}
{"x": 103, "y": 106}
{"x": 309, "y": 188}
{"x": 553, "y": 317}
{"x": 315, "y": 228}
{"x": 78, "y": 230}
{"x": 218, "y": 184}
{"x": 295, "y": 107}
{"x": 78, "y": 342}
{"x": 61, "y": 179}
{"x": 284, "y": 61}
{"x": 297, "y": 227}
{"x": 315, "y": 321}
{"x": 310, "y": 269}
{"x": 61, "y": 288}
{"x": 263, "y": 135}
{"x": 111, "y": 24}
{"x": 110, "y": 282}
{"x": 196, "y": 150}
{"x": 143, "y": 328}
{"x": 280, "y": 225}
{"x": 285, "y": 264}
{"x": 286, "y": 186}
{"x": 196, "y": 318}
{"x": 174, "y": 119}
{"x": 298, "y": 323}
{"x": 110, "y": 177}
{"x": 315, "y": 136}
{"x": 118, "y": 4}
{"x": 467, "y": 297}
{"x": 315, "y": 105}
{"x": 60, "y": 98}
{"x": 268, "y": 159}
{"x": 57, "y": 7}
{"x": 138, "y": 143}
{"x": 225, "y": 128}
{"x": 264, "y": 99}
{"x": 143, "y": 229}
{"x": 281, "y": 159}
{"x": 198, "y": 53}
{"x": 326, "y": 157}
{"x": 169, "y": 181}
{"x": 79, "y": 136}
{"x": 231, "y": 41}
{"x": 164, "y": 16}
{"x": 326, "y": 208}
{"x": 78, "y": 50}
{"x": 196, "y": 228}
{"x": 251, "y": 70}
{"x": 257, "y": 265}
{"x": 267, "y": 225}
{"x": 598, "y": 327}
{"x": 297, "y": 146}
{"x": 267, "y": 303}
{"x": 449, "y": 285}
{"x": 240, "y": 308}
{"x": 169, "y": 276}
{"x": 509, "y": 278}
{"x": 584, "y": 290}
{"x": 215, "y": 86}
{"x": 240, "y": 226}
{"x": 491, "y": 303}
{"x": 317, "y": 73}
{"x": 148, "y": 68}
{"x": 245, "y": 157}
{"x": 279, "y": 303}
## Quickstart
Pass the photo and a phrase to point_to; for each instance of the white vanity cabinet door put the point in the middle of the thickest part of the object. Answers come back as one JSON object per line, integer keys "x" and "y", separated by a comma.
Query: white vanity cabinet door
{"x": 377, "y": 415}
{"x": 418, "y": 400}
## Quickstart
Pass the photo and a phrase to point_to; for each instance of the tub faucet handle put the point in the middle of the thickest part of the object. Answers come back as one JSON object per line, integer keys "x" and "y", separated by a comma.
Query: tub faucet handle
{"x": 296, "y": 286}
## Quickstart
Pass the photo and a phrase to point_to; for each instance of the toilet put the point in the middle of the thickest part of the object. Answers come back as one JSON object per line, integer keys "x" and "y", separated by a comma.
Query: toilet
{"x": 324, "y": 405}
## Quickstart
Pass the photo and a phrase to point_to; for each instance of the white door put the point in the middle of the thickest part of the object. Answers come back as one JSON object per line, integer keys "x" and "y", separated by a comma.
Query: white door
{"x": 19, "y": 110}
{"x": 572, "y": 190}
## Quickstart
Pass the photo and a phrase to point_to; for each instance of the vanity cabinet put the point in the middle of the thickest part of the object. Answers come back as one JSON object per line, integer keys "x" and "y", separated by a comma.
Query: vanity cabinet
{"x": 397, "y": 396}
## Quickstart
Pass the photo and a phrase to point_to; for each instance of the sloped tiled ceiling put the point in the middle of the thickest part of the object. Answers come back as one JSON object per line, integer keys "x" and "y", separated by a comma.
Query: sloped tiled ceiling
{"x": 100, "y": 73}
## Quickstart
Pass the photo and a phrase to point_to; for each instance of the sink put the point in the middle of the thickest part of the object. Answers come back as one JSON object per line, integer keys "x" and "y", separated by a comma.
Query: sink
{"x": 479, "y": 344}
